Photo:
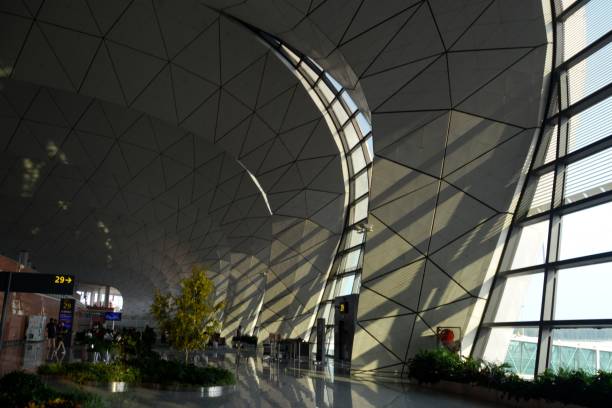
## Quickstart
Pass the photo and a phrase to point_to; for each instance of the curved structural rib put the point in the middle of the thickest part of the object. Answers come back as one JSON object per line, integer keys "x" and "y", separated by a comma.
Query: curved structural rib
{"x": 455, "y": 94}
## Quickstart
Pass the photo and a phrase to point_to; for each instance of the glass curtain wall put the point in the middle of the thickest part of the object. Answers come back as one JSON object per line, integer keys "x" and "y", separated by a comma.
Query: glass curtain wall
{"x": 353, "y": 132}
{"x": 551, "y": 304}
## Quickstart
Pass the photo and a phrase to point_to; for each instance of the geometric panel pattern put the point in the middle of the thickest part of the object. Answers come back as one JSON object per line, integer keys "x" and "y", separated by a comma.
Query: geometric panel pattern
{"x": 132, "y": 135}
{"x": 454, "y": 89}
{"x": 132, "y": 157}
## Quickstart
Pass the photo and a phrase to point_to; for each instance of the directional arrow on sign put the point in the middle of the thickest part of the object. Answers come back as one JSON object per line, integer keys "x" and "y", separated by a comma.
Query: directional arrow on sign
{"x": 27, "y": 282}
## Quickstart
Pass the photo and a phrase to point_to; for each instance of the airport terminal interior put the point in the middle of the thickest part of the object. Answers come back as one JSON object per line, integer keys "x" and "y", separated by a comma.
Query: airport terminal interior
{"x": 329, "y": 202}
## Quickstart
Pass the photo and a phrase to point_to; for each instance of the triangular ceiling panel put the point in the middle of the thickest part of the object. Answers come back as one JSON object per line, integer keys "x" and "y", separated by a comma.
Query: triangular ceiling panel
{"x": 200, "y": 56}
{"x": 107, "y": 14}
{"x": 101, "y": 80}
{"x": 157, "y": 98}
{"x": 135, "y": 69}
{"x": 64, "y": 42}
{"x": 38, "y": 64}
{"x": 190, "y": 91}
{"x": 138, "y": 29}
{"x": 417, "y": 39}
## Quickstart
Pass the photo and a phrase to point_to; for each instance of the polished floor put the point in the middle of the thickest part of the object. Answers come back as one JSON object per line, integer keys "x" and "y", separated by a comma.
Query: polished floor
{"x": 261, "y": 383}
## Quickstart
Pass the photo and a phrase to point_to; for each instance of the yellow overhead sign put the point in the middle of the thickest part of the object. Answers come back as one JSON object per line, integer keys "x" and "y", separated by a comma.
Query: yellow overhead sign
{"x": 63, "y": 280}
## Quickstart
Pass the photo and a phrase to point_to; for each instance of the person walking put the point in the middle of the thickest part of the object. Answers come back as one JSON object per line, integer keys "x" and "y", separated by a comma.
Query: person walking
{"x": 61, "y": 338}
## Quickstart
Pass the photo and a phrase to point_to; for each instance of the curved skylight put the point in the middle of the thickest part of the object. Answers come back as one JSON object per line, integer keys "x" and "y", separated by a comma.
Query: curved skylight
{"x": 353, "y": 134}
{"x": 261, "y": 190}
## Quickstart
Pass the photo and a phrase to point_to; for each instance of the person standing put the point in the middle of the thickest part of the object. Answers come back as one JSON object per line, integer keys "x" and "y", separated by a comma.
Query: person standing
{"x": 51, "y": 329}
{"x": 51, "y": 333}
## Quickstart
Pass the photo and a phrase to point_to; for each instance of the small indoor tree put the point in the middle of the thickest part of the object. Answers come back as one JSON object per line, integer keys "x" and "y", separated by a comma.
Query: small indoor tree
{"x": 191, "y": 317}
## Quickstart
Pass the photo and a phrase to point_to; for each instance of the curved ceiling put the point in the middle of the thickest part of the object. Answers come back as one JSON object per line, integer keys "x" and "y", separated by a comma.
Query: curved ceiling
{"x": 127, "y": 129}
{"x": 454, "y": 89}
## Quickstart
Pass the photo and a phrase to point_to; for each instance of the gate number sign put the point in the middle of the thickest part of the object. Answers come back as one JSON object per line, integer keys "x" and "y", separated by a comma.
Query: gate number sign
{"x": 27, "y": 282}
{"x": 61, "y": 279}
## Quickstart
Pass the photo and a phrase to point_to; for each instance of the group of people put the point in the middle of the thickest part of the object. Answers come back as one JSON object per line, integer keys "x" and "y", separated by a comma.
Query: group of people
{"x": 56, "y": 338}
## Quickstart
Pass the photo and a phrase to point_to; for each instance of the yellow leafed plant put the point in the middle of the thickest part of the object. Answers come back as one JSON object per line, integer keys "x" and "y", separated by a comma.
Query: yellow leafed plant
{"x": 191, "y": 317}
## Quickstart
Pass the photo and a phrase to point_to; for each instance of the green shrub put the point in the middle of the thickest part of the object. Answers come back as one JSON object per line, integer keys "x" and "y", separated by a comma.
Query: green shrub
{"x": 172, "y": 372}
{"x": 20, "y": 389}
{"x": 148, "y": 370}
{"x": 91, "y": 372}
{"x": 431, "y": 366}
{"x": 566, "y": 386}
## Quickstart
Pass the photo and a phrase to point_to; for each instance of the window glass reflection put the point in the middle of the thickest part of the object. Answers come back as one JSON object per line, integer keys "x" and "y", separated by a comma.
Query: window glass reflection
{"x": 589, "y": 177}
{"x": 361, "y": 184}
{"x": 590, "y": 74}
{"x": 359, "y": 211}
{"x": 532, "y": 244}
{"x": 522, "y": 298}
{"x": 515, "y": 346}
{"x": 584, "y": 292}
{"x": 590, "y": 125}
{"x": 351, "y": 260}
{"x": 586, "y": 232}
{"x": 357, "y": 160}
{"x": 586, "y": 25}
{"x": 581, "y": 349}
{"x": 346, "y": 285}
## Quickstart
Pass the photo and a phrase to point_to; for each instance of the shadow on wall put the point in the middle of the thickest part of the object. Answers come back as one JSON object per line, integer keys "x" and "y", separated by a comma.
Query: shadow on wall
{"x": 433, "y": 239}
{"x": 289, "y": 284}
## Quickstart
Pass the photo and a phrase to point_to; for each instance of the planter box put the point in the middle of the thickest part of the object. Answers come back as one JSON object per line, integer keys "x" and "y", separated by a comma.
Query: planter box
{"x": 491, "y": 395}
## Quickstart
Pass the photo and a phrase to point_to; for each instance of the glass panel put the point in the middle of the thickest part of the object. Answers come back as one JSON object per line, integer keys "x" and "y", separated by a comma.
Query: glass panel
{"x": 532, "y": 244}
{"x": 515, "y": 346}
{"x": 350, "y": 135}
{"x": 538, "y": 197}
{"x": 363, "y": 123}
{"x": 349, "y": 102}
{"x": 522, "y": 299}
{"x": 590, "y": 74}
{"x": 590, "y": 125}
{"x": 578, "y": 349}
{"x": 589, "y": 177}
{"x": 324, "y": 311}
{"x": 586, "y": 25}
{"x": 351, "y": 261}
{"x": 586, "y": 232}
{"x": 370, "y": 145}
{"x": 316, "y": 64}
{"x": 308, "y": 72}
{"x": 359, "y": 211}
{"x": 294, "y": 58}
{"x": 353, "y": 239}
{"x": 333, "y": 82}
{"x": 339, "y": 111}
{"x": 584, "y": 292}
{"x": 566, "y": 3}
{"x": 346, "y": 285}
{"x": 329, "y": 290}
{"x": 329, "y": 340}
{"x": 360, "y": 184}
{"x": 548, "y": 148}
{"x": 357, "y": 160}
{"x": 326, "y": 93}
{"x": 357, "y": 284}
